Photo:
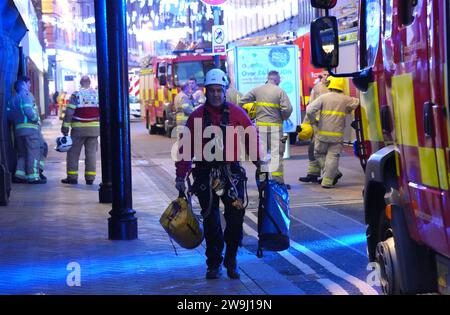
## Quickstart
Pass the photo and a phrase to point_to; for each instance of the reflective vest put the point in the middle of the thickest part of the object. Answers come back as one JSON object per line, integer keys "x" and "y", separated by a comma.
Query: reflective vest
{"x": 86, "y": 108}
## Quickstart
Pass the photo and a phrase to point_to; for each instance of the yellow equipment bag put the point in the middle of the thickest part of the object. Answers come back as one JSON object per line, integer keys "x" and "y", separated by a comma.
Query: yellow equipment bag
{"x": 180, "y": 222}
{"x": 250, "y": 108}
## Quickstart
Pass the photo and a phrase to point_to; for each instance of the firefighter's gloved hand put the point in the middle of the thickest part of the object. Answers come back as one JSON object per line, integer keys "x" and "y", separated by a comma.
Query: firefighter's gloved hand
{"x": 180, "y": 184}
{"x": 65, "y": 131}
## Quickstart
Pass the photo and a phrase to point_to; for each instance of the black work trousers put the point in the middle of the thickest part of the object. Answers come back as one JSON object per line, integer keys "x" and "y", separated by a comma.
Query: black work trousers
{"x": 234, "y": 218}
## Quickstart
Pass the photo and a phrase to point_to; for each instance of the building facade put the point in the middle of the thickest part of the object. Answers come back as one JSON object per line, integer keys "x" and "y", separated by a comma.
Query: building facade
{"x": 70, "y": 42}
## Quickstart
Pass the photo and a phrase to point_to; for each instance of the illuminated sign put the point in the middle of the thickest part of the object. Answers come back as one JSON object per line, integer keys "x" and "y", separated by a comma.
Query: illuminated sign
{"x": 253, "y": 63}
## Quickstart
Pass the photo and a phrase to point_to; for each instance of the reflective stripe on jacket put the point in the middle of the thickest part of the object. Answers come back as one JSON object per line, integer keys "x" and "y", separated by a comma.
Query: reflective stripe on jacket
{"x": 183, "y": 108}
{"x": 21, "y": 111}
{"x": 83, "y": 110}
{"x": 318, "y": 90}
{"x": 272, "y": 104}
{"x": 333, "y": 108}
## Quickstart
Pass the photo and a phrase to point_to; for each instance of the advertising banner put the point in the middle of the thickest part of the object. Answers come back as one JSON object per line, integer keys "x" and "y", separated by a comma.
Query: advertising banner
{"x": 252, "y": 64}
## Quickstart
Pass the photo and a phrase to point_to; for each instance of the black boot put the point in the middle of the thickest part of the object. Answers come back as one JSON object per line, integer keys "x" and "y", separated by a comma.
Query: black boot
{"x": 233, "y": 272}
{"x": 231, "y": 265}
{"x": 309, "y": 179}
{"x": 335, "y": 180}
{"x": 18, "y": 180}
{"x": 69, "y": 181}
{"x": 39, "y": 181}
{"x": 213, "y": 273}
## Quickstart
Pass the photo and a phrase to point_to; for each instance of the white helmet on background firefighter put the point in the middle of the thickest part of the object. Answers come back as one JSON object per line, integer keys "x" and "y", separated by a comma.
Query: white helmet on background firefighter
{"x": 63, "y": 144}
{"x": 216, "y": 76}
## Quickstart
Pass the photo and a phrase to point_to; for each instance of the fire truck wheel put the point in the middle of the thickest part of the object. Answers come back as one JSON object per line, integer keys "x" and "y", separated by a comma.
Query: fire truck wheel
{"x": 416, "y": 266}
{"x": 386, "y": 259}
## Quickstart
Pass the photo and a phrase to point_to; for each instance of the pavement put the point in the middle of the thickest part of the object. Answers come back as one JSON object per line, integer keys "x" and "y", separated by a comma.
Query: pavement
{"x": 54, "y": 240}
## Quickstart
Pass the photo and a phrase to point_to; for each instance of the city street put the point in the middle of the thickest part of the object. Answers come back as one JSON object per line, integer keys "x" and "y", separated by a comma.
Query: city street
{"x": 328, "y": 244}
{"x": 90, "y": 91}
{"x": 64, "y": 230}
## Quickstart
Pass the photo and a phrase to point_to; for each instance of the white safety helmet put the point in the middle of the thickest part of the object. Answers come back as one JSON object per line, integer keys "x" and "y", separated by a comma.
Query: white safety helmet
{"x": 216, "y": 76}
{"x": 63, "y": 144}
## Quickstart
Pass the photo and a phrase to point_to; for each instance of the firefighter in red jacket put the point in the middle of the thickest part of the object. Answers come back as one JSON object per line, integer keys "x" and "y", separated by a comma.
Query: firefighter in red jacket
{"x": 83, "y": 117}
{"x": 217, "y": 173}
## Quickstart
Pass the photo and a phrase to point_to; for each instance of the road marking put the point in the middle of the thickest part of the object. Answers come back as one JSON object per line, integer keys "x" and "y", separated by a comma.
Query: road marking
{"x": 363, "y": 287}
{"x": 328, "y": 203}
{"x": 319, "y": 203}
{"x": 331, "y": 286}
{"x": 324, "y": 204}
{"x": 329, "y": 236}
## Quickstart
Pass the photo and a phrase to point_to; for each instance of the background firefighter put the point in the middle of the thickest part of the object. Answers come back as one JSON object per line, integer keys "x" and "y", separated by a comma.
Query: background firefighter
{"x": 232, "y": 95}
{"x": 333, "y": 107}
{"x": 82, "y": 115}
{"x": 272, "y": 108}
{"x": 43, "y": 146}
{"x": 196, "y": 94}
{"x": 183, "y": 105}
{"x": 313, "y": 172}
{"x": 214, "y": 179}
{"x": 21, "y": 112}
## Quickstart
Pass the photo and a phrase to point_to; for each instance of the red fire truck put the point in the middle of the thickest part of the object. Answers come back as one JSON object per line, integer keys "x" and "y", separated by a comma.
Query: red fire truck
{"x": 308, "y": 74}
{"x": 403, "y": 128}
{"x": 160, "y": 82}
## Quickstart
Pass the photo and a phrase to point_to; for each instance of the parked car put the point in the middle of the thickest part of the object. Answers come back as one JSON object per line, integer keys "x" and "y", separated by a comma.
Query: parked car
{"x": 135, "y": 107}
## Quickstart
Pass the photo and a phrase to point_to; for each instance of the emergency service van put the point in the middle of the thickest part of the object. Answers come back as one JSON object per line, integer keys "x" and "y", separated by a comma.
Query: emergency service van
{"x": 403, "y": 130}
{"x": 161, "y": 81}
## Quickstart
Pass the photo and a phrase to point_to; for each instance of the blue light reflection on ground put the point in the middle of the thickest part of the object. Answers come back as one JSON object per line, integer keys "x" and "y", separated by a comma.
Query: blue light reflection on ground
{"x": 19, "y": 277}
{"x": 336, "y": 243}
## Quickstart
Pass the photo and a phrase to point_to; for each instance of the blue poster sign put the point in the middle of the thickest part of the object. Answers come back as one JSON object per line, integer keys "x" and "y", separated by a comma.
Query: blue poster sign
{"x": 252, "y": 65}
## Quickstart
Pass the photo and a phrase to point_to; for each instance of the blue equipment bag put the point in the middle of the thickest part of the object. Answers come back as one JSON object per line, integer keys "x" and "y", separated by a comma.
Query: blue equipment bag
{"x": 273, "y": 217}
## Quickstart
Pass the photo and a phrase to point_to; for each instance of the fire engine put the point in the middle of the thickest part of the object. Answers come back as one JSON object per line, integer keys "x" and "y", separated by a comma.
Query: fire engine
{"x": 403, "y": 135}
{"x": 308, "y": 74}
{"x": 160, "y": 81}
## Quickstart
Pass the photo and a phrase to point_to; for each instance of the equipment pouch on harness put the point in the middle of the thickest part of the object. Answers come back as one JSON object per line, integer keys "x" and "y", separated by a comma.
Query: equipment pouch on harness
{"x": 273, "y": 217}
{"x": 182, "y": 225}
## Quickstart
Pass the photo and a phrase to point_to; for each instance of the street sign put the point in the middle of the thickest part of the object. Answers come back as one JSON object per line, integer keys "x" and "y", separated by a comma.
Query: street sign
{"x": 214, "y": 2}
{"x": 219, "y": 40}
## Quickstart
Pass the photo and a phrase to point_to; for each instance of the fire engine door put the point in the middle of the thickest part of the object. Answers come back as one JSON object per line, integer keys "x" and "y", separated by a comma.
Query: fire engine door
{"x": 411, "y": 90}
{"x": 439, "y": 23}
